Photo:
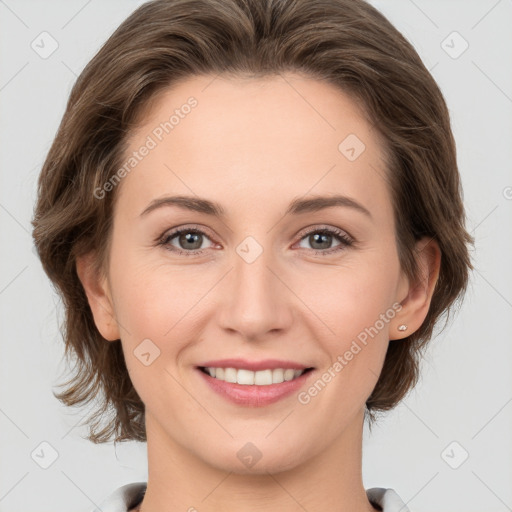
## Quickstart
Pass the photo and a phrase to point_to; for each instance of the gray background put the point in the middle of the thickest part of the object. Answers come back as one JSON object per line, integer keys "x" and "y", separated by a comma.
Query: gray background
{"x": 465, "y": 393}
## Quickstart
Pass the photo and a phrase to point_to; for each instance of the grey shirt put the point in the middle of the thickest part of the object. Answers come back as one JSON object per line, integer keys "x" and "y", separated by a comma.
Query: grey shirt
{"x": 130, "y": 495}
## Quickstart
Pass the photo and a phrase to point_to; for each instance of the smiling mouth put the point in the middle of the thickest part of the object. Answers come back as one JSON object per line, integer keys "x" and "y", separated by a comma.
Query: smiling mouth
{"x": 251, "y": 378}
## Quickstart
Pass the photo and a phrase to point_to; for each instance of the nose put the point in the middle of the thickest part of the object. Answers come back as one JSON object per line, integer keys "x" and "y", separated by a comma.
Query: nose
{"x": 256, "y": 302}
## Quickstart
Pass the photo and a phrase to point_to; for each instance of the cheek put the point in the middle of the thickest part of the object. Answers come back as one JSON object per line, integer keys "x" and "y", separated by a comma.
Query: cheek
{"x": 149, "y": 295}
{"x": 155, "y": 315}
{"x": 351, "y": 297}
{"x": 161, "y": 308}
{"x": 353, "y": 307}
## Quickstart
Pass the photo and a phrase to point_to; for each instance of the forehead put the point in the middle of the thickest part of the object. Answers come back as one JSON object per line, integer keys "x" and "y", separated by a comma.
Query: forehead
{"x": 285, "y": 134}
{"x": 278, "y": 106}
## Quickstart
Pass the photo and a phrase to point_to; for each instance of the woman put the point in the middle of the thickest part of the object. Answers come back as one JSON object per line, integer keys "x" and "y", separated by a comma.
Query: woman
{"x": 305, "y": 154}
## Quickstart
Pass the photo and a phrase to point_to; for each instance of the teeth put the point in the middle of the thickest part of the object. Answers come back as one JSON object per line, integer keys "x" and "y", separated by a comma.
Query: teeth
{"x": 260, "y": 378}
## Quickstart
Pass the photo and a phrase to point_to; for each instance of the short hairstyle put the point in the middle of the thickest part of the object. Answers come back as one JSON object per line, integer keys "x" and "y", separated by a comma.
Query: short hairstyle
{"x": 346, "y": 43}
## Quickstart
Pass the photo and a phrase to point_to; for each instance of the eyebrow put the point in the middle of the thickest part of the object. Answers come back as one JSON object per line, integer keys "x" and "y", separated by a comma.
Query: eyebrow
{"x": 297, "y": 206}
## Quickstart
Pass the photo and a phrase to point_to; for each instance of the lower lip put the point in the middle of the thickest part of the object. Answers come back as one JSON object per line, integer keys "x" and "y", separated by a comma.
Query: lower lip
{"x": 255, "y": 396}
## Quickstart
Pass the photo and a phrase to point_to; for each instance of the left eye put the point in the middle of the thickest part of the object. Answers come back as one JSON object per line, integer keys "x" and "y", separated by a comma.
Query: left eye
{"x": 324, "y": 237}
{"x": 190, "y": 240}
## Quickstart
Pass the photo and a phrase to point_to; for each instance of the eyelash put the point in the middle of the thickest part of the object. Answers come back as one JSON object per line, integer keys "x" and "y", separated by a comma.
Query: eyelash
{"x": 342, "y": 237}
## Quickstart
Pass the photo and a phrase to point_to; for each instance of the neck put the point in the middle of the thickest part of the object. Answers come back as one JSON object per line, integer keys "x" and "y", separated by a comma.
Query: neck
{"x": 179, "y": 479}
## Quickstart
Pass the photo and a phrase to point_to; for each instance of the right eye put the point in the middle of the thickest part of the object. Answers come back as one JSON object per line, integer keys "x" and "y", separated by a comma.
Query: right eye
{"x": 189, "y": 240}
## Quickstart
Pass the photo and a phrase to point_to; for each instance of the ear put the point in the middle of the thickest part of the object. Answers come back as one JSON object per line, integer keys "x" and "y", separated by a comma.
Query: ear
{"x": 418, "y": 294}
{"x": 98, "y": 294}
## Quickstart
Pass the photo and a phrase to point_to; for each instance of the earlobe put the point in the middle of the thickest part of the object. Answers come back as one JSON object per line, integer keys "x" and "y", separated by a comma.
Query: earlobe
{"x": 416, "y": 304}
{"x": 97, "y": 289}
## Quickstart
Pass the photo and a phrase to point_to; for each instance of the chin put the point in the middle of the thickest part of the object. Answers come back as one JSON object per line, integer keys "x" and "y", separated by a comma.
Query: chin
{"x": 247, "y": 458}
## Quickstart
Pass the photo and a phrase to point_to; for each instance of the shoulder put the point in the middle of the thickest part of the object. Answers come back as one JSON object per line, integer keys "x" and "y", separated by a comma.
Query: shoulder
{"x": 123, "y": 499}
{"x": 387, "y": 499}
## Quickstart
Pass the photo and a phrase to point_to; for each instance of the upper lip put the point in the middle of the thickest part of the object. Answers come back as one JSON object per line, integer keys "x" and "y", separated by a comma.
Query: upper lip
{"x": 243, "y": 364}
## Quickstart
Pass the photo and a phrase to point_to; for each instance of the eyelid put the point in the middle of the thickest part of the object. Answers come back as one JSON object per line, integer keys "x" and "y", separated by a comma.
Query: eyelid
{"x": 324, "y": 227}
{"x": 191, "y": 227}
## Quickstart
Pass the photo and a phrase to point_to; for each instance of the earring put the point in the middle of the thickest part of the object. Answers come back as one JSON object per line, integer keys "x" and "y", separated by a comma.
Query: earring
{"x": 402, "y": 327}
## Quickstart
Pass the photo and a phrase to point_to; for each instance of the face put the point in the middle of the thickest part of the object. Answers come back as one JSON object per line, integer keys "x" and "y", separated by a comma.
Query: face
{"x": 268, "y": 276}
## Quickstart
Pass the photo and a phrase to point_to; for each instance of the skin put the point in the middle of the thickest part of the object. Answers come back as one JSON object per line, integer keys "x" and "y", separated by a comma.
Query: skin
{"x": 253, "y": 146}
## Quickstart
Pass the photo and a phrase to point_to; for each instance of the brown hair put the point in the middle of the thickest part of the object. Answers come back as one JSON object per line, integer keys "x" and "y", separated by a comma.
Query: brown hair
{"x": 347, "y": 43}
